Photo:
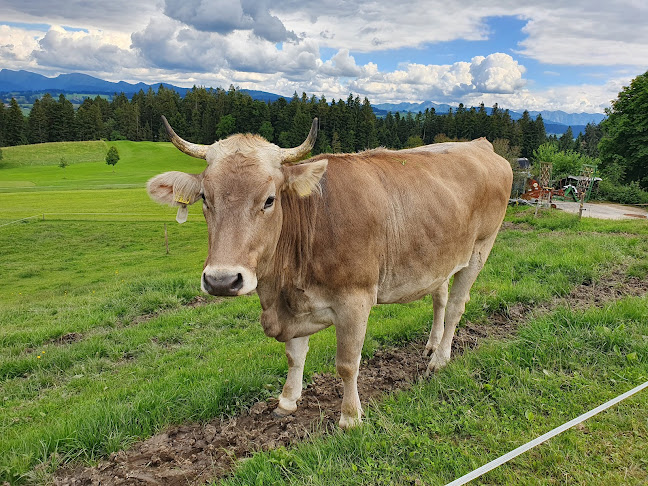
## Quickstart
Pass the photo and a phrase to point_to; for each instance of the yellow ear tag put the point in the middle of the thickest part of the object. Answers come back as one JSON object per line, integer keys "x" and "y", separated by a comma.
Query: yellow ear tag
{"x": 183, "y": 211}
{"x": 182, "y": 199}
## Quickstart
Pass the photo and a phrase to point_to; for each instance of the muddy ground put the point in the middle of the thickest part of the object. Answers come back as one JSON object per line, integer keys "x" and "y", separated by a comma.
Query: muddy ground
{"x": 196, "y": 453}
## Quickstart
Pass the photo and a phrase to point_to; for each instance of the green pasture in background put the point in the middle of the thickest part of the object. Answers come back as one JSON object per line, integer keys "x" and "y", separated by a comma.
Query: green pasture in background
{"x": 28, "y": 168}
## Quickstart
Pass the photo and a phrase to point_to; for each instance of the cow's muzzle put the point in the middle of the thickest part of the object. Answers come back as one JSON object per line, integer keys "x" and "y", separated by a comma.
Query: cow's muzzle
{"x": 228, "y": 282}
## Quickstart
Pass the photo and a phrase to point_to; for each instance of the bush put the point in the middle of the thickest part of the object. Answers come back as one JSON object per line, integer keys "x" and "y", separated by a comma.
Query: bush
{"x": 115, "y": 135}
{"x": 564, "y": 162}
{"x": 112, "y": 157}
{"x": 413, "y": 141}
{"x": 630, "y": 194}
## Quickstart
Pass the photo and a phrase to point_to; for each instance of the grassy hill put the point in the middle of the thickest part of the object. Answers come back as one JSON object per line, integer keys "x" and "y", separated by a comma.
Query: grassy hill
{"x": 51, "y": 153}
{"x": 35, "y": 167}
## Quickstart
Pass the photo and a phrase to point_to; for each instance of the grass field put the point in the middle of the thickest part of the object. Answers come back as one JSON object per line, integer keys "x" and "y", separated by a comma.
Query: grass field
{"x": 98, "y": 346}
{"x": 29, "y": 168}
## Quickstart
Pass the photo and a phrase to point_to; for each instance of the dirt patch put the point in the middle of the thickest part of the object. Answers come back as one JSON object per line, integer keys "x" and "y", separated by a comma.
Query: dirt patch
{"x": 509, "y": 225}
{"x": 612, "y": 287}
{"x": 194, "y": 454}
{"x": 68, "y": 338}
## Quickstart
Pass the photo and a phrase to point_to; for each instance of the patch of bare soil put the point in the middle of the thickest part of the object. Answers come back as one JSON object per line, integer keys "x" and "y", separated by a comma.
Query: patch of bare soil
{"x": 197, "y": 301}
{"x": 509, "y": 225}
{"x": 194, "y": 454}
{"x": 68, "y": 338}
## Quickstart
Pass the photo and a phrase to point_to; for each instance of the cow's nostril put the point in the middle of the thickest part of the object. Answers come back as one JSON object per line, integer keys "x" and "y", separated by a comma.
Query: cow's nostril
{"x": 238, "y": 283}
{"x": 223, "y": 284}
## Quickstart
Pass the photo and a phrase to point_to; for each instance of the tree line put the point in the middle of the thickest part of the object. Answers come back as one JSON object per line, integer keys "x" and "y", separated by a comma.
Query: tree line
{"x": 205, "y": 115}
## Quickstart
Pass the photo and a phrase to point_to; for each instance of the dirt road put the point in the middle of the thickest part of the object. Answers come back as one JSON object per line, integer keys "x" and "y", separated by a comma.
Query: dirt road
{"x": 603, "y": 210}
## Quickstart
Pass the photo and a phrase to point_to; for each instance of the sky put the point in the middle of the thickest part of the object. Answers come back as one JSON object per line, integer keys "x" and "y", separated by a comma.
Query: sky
{"x": 553, "y": 55}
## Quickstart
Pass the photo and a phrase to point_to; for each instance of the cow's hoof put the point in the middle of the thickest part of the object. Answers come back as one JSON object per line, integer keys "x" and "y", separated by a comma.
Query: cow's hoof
{"x": 429, "y": 349}
{"x": 350, "y": 421}
{"x": 437, "y": 362}
{"x": 285, "y": 407}
{"x": 280, "y": 412}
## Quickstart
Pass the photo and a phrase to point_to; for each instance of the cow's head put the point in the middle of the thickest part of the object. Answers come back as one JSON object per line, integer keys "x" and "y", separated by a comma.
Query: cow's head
{"x": 241, "y": 190}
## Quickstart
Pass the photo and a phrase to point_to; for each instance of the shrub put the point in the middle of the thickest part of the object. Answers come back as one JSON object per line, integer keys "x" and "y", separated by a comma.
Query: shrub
{"x": 630, "y": 194}
{"x": 564, "y": 162}
{"x": 112, "y": 157}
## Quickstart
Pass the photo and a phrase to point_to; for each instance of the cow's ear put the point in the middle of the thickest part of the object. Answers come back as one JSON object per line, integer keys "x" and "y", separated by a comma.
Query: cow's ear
{"x": 174, "y": 188}
{"x": 303, "y": 179}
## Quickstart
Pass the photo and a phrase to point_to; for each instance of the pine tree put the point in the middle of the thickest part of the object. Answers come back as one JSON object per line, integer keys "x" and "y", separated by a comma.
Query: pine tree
{"x": 15, "y": 125}
{"x": 566, "y": 141}
{"x": 2, "y": 124}
{"x": 37, "y": 123}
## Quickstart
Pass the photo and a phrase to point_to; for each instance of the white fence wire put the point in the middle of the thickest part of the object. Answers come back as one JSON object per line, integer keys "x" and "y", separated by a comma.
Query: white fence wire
{"x": 552, "y": 433}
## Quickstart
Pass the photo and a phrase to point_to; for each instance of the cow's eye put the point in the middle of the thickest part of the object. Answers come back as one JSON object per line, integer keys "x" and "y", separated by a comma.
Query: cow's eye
{"x": 269, "y": 202}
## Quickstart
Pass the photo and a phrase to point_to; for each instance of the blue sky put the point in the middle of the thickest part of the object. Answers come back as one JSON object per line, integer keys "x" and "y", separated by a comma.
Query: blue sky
{"x": 549, "y": 55}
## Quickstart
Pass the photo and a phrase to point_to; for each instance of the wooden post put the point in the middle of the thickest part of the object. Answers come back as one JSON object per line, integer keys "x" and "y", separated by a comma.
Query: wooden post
{"x": 166, "y": 239}
{"x": 580, "y": 207}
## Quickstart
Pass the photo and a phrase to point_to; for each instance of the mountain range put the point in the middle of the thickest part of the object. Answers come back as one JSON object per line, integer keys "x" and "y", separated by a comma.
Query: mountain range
{"x": 553, "y": 117}
{"x": 24, "y": 81}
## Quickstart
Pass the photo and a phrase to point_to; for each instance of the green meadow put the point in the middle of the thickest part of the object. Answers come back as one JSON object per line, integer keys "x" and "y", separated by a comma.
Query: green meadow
{"x": 35, "y": 168}
{"x": 98, "y": 347}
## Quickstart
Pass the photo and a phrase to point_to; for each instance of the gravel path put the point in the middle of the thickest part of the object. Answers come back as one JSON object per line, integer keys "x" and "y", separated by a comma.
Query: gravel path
{"x": 603, "y": 211}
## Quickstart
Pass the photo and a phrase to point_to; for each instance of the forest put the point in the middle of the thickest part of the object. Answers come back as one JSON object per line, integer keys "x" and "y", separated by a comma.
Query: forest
{"x": 206, "y": 115}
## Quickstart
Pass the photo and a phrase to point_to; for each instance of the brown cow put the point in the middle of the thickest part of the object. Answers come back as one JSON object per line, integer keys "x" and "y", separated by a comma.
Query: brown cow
{"x": 324, "y": 240}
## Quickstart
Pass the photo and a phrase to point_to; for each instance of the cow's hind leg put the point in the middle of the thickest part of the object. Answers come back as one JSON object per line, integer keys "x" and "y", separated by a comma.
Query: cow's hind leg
{"x": 296, "y": 350}
{"x": 459, "y": 296}
{"x": 440, "y": 300}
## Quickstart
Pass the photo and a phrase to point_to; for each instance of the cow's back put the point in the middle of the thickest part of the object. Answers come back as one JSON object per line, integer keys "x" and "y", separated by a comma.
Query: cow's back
{"x": 403, "y": 221}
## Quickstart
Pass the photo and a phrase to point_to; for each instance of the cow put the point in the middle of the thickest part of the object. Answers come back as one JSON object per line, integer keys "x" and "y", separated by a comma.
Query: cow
{"x": 323, "y": 240}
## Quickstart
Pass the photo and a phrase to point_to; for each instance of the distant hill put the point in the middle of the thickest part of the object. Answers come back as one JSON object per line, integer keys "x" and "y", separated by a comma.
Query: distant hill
{"x": 25, "y": 81}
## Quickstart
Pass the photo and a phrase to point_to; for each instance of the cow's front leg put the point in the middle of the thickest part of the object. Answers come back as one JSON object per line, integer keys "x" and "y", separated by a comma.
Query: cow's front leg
{"x": 296, "y": 350}
{"x": 350, "y": 333}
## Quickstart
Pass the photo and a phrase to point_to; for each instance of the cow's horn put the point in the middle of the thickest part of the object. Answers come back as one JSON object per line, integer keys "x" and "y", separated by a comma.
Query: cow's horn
{"x": 294, "y": 154}
{"x": 193, "y": 149}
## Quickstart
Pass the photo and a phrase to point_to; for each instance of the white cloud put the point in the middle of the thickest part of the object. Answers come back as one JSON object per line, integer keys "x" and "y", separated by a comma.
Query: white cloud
{"x": 585, "y": 98}
{"x": 496, "y": 73}
{"x": 93, "y": 51}
{"x": 116, "y": 15}
{"x": 168, "y": 44}
{"x": 16, "y": 46}
{"x": 341, "y": 64}
{"x": 226, "y": 16}
{"x": 588, "y": 33}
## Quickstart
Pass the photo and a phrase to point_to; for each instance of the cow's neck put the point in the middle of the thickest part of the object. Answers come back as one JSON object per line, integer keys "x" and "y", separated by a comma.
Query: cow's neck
{"x": 290, "y": 264}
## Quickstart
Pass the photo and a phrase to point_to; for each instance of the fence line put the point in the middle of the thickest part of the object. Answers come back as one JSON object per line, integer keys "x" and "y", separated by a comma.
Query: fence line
{"x": 539, "y": 440}
{"x": 113, "y": 214}
{"x": 19, "y": 220}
